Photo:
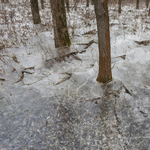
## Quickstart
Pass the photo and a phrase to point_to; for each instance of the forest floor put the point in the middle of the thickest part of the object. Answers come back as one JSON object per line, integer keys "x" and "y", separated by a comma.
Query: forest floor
{"x": 49, "y": 98}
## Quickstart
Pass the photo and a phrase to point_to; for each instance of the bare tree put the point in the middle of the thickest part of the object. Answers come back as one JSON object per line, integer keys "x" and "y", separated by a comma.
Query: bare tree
{"x": 137, "y": 4}
{"x": 147, "y": 3}
{"x": 119, "y": 6}
{"x": 87, "y": 3}
{"x": 5, "y": 1}
{"x": 67, "y": 5}
{"x": 75, "y": 4}
{"x": 60, "y": 24}
{"x": 35, "y": 11}
{"x": 42, "y": 4}
{"x": 0, "y": 5}
{"x": 149, "y": 10}
{"x": 101, "y": 11}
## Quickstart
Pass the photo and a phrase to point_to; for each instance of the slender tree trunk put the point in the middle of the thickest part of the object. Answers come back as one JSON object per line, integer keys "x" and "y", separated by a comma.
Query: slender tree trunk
{"x": 147, "y": 3}
{"x": 92, "y": 3}
{"x": 137, "y": 4}
{"x": 35, "y": 11}
{"x": 119, "y": 6}
{"x": 75, "y": 5}
{"x": 101, "y": 10}
{"x": 87, "y": 3}
{"x": 67, "y": 5}
{"x": 149, "y": 10}
{"x": 61, "y": 35}
{"x": 5, "y": 1}
{"x": 42, "y": 4}
{"x": 0, "y": 5}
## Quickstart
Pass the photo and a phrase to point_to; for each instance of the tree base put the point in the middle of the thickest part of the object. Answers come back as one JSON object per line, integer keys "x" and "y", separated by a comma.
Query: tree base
{"x": 103, "y": 80}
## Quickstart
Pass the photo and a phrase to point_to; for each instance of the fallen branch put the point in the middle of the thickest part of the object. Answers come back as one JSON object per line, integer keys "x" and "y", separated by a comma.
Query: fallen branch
{"x": 94, "y": 99}
{"x": 122, "y": 56}
{"x": 2, "y": 79}
{"x": 62, "y": 58}
{"x": 127, "y": 91}
{"x": 32, "y": 82}
{"x": 22, "y": 74}
{"x": 27, "y": 72}
{"x": 77, "y": 58}
{"x": 21, "y": 78}
{"x": 87, "y": 44}
{"x": 145, "y": 43}
{"x": 90, "y": 32}
{"x": 66, "y": 78}
{"x": 29, "y": 68}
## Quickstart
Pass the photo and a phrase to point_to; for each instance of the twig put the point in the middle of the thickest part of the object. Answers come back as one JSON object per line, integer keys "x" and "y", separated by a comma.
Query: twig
{"x": 94, "y": 99}
{"x": 66, "y": 78}
{"x": 2, "y": 79}
{"x": 127, "y": 91}
{"x": 21, "y": 78}
{"x": 122, "y": 56}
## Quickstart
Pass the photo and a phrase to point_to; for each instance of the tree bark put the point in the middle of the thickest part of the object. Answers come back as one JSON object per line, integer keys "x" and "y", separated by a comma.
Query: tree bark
{"x": 42, "y": 4}
{"x": 61, "y": 35}
{"x": 137, "y": 4}
{"x": 35, "y": 11}
{"x": 119, "y": 6}
{"x": 101, "y": 10}
{"x": 147, "y": 3}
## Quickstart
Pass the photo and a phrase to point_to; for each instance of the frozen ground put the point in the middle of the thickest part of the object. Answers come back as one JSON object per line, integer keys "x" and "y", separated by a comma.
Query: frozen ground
{"x": 49, "y": 98}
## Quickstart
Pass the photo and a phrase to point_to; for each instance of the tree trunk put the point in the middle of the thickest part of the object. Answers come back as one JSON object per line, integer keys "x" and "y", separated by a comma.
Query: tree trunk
{"x": 75, "y": 5}
{"x": 137, "y": 4}
{"x": 5, "y": 1}
{"x": 0, "y": 5}
{"x": 87, "y": 3}
{"x": 67, "y": 5}
{"x": 119, "y": 6}
{"x": 42, "y": 4}
{"x": 35, "y": 11}
{"x": 101, "y": 11}
{"x": 147, "y": 3}
{"x": 61, "y": 35}
{"x": 92, "y": 3}
{"x": 149, "y": 10}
